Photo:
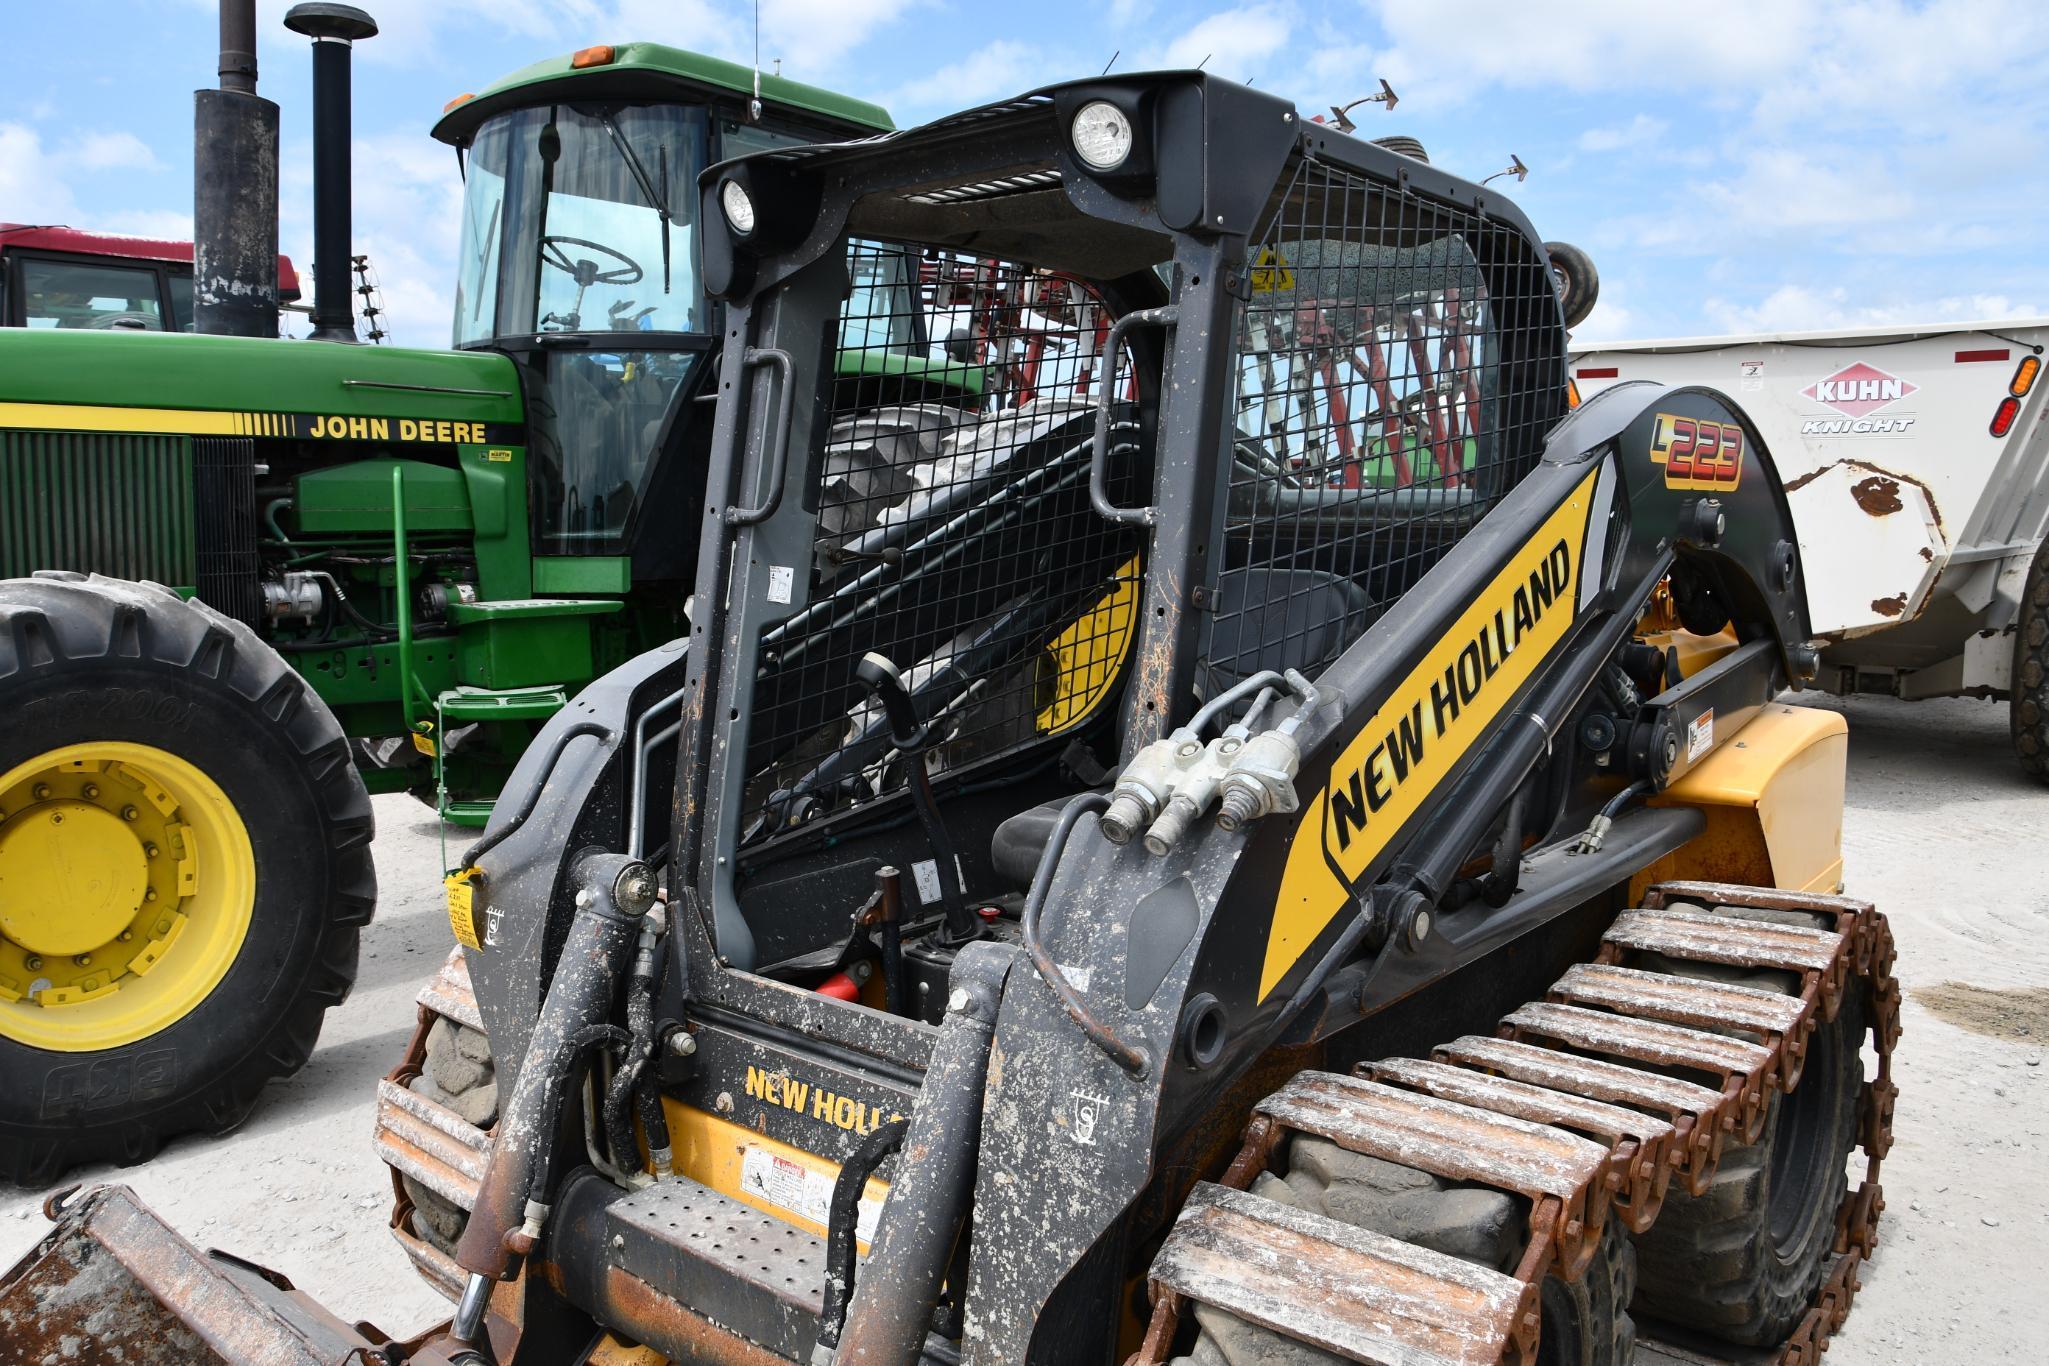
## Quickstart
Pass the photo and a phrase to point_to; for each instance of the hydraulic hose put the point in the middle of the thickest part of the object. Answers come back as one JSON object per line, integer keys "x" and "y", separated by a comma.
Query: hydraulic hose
{"x": 624, "y": 1090}
{"x": 1126, "y": 1056}
{"x": 843, "y": 1224}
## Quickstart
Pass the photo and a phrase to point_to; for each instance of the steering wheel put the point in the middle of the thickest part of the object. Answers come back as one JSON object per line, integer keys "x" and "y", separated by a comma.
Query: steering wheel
{"x": 586, "y": 273}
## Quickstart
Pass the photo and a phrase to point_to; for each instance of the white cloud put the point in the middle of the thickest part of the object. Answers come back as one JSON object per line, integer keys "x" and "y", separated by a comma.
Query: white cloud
{"x": 34, "y": 187}
{"x": 1453, "y": 49}
{"x": 1803, "y": 308}
{"x": 1638, "y": 132}
{"x": 812, "y": 38}
{"x": 1001, "y": 68}
{"x": 407, "y": 218}
{"x": 410, "y": 32}
{"x": 112, "y": 151}
{"x": 1232, "y": 41}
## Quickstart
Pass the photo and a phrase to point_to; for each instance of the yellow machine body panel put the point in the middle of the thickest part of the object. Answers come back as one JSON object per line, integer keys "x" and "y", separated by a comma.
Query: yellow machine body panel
{"x": 779, "y": 1179}
{"x": 1773, "y": 797}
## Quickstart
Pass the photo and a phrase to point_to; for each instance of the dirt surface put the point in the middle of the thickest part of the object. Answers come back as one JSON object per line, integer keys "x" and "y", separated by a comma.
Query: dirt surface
{"x": 2018, "y": 1015}
{"x": 1943, "y": 831}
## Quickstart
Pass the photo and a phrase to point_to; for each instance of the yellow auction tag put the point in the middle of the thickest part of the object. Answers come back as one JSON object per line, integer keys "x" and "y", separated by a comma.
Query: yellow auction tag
{"x": 462, "y": 906}
{"x": 424, "y": 744}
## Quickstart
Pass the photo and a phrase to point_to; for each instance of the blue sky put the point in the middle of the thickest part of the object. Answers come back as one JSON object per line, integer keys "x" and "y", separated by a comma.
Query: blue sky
{"x": 1732, "y": 166}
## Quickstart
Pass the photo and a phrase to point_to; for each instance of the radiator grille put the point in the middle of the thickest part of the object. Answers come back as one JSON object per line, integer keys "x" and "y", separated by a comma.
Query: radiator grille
{"x": 1399, "y": 365}
{"x": 110, "y": 504}
{"x": 224, "y": 496}
{"x": 955, "y": 534}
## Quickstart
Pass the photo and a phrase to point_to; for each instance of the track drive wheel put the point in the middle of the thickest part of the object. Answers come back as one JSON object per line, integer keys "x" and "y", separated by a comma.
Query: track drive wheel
{"x": 1585, "y": 1323}
{"x": 2029, "y": 707}
{"x": 1742, "y": 1261}
{"x": 184, "y": 869}
{"x": 458, "y": 1073}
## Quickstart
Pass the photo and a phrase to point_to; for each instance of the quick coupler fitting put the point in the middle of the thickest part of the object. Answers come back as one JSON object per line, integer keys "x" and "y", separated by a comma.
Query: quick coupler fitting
{"x": 1173, "y": 823}
{"x": 1261, "y": 780}
{"x": 1146, "y": 784}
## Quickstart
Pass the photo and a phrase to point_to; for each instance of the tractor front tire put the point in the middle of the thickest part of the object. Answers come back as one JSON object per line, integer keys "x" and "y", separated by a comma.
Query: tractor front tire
{"x": 2029, "y": 704}
{"x": 184, "y": 871}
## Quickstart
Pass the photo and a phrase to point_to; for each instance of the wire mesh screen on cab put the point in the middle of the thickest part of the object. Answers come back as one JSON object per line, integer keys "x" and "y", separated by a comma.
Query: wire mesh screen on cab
{"x": 955, "y": 534}
{"x": 1380, "y": 409}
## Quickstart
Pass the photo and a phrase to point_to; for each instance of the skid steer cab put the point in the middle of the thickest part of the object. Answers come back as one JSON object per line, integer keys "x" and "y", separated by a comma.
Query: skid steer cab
{"x": 1208, "y": 852}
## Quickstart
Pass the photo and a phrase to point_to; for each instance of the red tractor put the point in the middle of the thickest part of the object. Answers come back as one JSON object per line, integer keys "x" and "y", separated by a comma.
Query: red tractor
{"x": 53, "y": 276}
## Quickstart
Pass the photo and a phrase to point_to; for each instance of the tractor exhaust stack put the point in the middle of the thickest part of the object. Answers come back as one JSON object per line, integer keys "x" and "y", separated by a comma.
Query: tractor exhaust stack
{"x": 234, "y": 191}
{"x": 334, "y": 29}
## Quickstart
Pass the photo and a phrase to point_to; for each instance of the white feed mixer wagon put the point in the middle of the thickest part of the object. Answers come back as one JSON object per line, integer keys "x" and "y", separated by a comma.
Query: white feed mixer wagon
{"x": 1916, "y": 460}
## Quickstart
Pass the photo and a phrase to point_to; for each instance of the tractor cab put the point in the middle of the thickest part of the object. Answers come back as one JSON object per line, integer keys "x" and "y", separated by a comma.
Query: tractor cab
{"x": 580, "y": 260}
{"x": 61, "y": 277}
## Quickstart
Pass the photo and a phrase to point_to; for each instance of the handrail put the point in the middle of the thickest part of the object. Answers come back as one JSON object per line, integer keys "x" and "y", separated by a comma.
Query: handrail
{"x": 779, "y": 440}
{"x": 1099, "y": 458}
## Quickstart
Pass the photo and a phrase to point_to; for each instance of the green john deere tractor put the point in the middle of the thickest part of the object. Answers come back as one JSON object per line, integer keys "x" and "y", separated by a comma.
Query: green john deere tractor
{"x": 244, "y": 582}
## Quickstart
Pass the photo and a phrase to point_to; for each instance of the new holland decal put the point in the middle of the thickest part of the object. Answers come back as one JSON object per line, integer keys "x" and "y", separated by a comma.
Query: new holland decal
{"x": 1433, "y": 716}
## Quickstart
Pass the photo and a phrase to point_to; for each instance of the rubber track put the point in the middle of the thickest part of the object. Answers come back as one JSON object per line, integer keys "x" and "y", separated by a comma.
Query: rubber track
{"x": 1517, "y": 1111}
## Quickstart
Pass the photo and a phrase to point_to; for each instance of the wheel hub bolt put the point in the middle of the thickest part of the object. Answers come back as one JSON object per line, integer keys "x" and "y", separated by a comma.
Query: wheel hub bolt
{"x": 34, "y": 963}
{"x": 83, "y": 960}
{"x": 125, "y": 936}
{"x": 149, "y": 894}
{"x": 129, "y": 813}
{"x": 150, "y": 850}
{"x": 92, "y": 790}
{"x": 41, "y": 791}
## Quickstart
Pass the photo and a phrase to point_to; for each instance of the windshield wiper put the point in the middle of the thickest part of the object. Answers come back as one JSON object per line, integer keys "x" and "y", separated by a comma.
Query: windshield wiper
{"x": 659, "y": 203}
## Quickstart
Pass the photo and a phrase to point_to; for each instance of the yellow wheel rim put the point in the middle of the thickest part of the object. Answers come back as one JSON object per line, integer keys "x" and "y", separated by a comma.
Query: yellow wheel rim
{"x": 127, "y": 884}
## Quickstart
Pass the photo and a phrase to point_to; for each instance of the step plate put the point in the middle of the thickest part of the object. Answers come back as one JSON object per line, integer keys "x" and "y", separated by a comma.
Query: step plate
{"x": 744, "y": 1270}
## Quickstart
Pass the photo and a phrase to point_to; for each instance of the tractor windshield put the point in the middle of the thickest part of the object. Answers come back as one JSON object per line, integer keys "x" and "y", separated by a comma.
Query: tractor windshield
{"x": 578, "y": 218}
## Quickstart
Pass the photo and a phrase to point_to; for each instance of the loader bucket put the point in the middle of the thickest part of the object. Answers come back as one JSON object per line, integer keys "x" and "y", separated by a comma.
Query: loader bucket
{"x": 112, "y": 1283}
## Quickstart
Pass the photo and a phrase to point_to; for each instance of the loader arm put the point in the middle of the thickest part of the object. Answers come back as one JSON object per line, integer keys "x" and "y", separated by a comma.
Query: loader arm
{"x": 1429, "y": 724}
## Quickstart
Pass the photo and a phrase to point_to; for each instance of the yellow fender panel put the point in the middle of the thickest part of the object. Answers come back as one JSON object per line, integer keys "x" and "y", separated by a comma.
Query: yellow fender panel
{"x": 1773, "y": 796}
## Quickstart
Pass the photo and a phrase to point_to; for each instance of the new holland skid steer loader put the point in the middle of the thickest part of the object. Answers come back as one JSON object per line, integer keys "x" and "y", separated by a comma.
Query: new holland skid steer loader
{"x": 1212, "y": 851}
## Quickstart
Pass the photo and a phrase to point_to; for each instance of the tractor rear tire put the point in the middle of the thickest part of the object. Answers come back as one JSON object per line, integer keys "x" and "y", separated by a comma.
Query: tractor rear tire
{"x": 219, "y": 837}
{"x": 1743, "y": 1260}
{"x": 1585, "y": 1322}
{"x": 2029, "y": 704}
{"x": 458, "y": 1073}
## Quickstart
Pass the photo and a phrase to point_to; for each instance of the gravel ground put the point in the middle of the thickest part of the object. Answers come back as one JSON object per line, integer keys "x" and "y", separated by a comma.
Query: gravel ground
{"x": 1942, "y": 831}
